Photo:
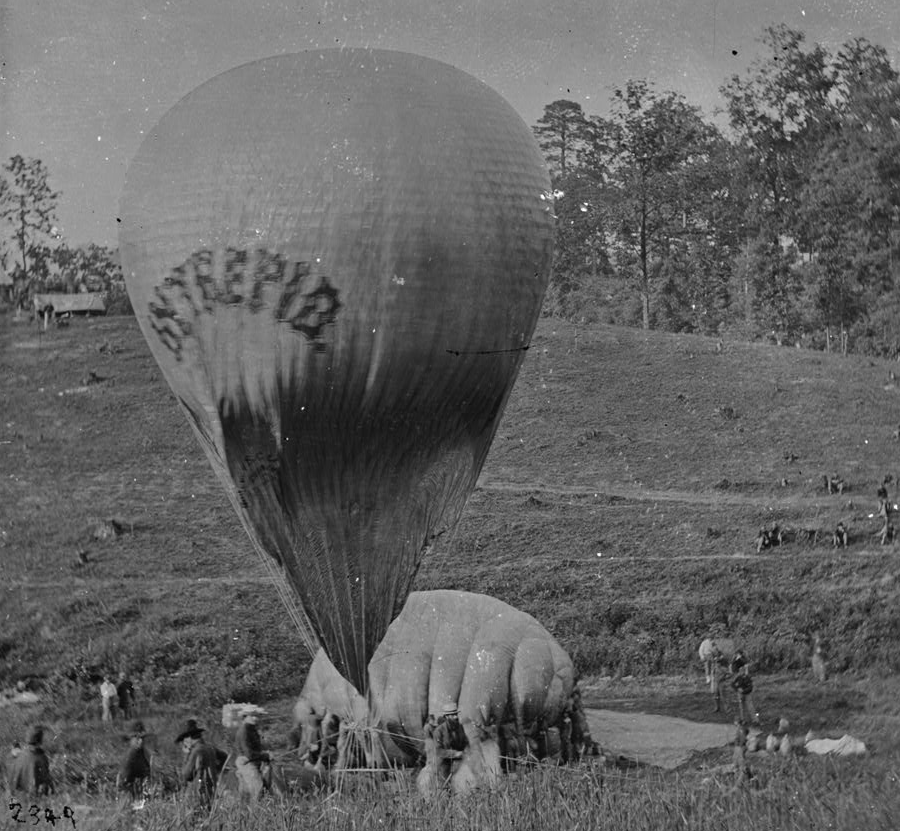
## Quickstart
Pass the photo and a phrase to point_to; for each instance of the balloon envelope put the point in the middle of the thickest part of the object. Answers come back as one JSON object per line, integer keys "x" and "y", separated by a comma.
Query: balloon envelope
{"x": 337, "y": 258}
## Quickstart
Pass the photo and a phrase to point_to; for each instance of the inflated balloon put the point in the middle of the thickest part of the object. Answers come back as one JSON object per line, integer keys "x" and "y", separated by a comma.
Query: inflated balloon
{"x": 338, "y": 258}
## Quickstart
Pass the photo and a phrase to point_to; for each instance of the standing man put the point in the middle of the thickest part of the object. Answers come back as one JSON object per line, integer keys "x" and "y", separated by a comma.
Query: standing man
{"x": 449, "y": 741}
{"x": 108, "y": 698}
{"x": 31, "y": 768}
{"x": 253, "y": 770}
{"x": 742, "y": 683}
{"x": 134, "y": 774}
{"x": 884, "y": 512}
{"x": 125, "y": 694}
{"x": 202, "y": 765}
{"x": 718, "y": 674}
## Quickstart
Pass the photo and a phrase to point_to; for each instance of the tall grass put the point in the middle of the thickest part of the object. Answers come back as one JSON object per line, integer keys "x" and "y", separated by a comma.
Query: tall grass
{"x": 801, "y": 795}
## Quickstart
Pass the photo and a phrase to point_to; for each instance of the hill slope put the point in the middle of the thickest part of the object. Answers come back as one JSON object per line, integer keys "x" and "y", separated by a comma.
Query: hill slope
{"x": 664, "y": 454}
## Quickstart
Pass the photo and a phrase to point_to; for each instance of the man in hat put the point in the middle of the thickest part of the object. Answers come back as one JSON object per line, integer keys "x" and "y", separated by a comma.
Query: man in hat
{"x": 31, "y": 768}
{"x": 108, "y": 698}
{"x": 202, "y": 764}
{"x": 742, "y": 683}
{"x": 449, "y": 741}
{"x": 134, "y": 774}
{"x": 253, "y": 769}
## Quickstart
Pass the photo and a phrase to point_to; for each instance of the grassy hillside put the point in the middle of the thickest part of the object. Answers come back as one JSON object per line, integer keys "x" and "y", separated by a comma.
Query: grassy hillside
{"x": 619, "y": 505}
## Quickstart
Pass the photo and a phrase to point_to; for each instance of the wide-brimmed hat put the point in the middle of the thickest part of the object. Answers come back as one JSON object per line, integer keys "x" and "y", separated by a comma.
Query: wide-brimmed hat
{"x": 135, "y": 729}
{"x": 35, "y": 735}
{"x": 190, "y": 730}
{"x": 450, "y": 709}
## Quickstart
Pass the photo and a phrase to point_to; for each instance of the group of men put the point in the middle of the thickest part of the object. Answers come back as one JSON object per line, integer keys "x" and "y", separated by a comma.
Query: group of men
{"x": 200, "y": 771}
{"x": 447, "y": 740}
{"x": 840, "y": 537}
{"x": 116, "y": 699}
{"x": 204, "y": 762}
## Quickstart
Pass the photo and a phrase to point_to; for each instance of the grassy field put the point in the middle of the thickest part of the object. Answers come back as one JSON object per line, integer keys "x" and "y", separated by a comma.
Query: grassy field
{"x": 619, "y": 505}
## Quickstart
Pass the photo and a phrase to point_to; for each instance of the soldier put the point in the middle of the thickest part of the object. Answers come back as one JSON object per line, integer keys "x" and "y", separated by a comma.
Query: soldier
{"x": 884, "y": 512}
{"x": 742, "y": 772}
{"x": 134, "y": 774}
{"x": 742, "y": 683}
{"x": 31, "y": 768}
{"x": 449, "y": 741}
{"x": 582, "y": 741}
{"x": 839, "y": 538}
{"x": 125, "y": 695}
{"x": 253, "y": 769}
{"x": 718, "y": 673}
{"x": 202, "y": 765}
{"x": 109, "y": 698}
{"x": 818, "y": 661}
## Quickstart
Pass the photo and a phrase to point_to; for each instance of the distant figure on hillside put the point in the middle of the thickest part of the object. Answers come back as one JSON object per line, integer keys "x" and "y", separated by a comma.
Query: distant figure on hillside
{"x": 31, "y": 768}
{"x": 768, "y": 538}
{"x": 125, "y": 695}
{"x": 884, "y": 513}
{"x": 818, "y": 661}
{"x": 839, "y": 537}
{"x": 834, "y": 484}
{"x": 109, "y": 698}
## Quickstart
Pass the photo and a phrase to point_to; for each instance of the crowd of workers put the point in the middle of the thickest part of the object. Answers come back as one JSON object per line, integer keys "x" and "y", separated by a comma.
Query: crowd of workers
{"x": 255, "y": 773}
{"x": 840, "y": 537}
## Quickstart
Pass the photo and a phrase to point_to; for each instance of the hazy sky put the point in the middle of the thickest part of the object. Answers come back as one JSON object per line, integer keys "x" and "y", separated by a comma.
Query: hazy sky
{"x": 82, "y": 81}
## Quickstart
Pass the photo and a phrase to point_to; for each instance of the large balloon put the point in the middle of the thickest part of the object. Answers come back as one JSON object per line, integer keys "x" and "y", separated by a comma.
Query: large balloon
{"x": 338, "y": 258}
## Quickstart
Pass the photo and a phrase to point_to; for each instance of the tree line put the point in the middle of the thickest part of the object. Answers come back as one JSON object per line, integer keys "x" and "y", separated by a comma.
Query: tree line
{"x": 785, "y": 223}
{"x": 33, "y": 252}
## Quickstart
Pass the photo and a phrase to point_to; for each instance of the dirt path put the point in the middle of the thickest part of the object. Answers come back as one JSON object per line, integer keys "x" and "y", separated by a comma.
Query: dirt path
{"x": 637, "y": 494}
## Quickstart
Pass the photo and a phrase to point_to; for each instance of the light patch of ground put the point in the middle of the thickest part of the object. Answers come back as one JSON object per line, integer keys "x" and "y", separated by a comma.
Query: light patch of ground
{"x": 662, "y": 741}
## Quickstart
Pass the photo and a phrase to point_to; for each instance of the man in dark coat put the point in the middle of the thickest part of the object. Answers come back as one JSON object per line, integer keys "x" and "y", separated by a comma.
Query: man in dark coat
{"x": 203, "y": 763}
{"x": 134, "y": 774}
{"x": 31, "y": 768}
{"x": 125, "y": 692}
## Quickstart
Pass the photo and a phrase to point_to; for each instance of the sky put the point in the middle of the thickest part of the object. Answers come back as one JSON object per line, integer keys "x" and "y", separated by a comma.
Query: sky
{"x": 83, "y": 81}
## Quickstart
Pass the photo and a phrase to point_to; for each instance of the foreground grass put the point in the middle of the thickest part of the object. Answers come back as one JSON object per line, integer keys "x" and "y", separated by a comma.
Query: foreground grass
{"x": 799, "y": 794}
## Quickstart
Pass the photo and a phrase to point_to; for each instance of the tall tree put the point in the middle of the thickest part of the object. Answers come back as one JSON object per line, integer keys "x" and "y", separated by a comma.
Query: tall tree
{"x": 778, "y": 112}
{"x": 851, "y": 198}
{"x": 27, "y": 220}
{"x": 559, "y": 132}
{"x": 656, "y": 143}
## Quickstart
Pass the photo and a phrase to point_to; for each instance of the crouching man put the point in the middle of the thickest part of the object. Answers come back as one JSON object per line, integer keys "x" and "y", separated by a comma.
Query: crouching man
{"x": 450, "y": 741}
